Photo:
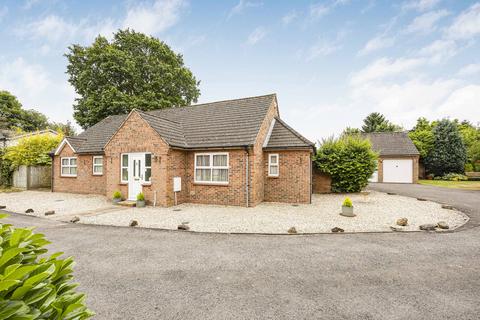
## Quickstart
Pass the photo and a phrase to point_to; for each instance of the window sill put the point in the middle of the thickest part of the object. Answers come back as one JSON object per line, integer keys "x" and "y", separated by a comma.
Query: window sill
{"x": 146, "y": 184}
{"x": 67, "y": 176}
{"x": 211, "y": 184}
{"x": 97, "y": 174}
{"x": 273, "y": 177}
{"x": 123, "y": 183}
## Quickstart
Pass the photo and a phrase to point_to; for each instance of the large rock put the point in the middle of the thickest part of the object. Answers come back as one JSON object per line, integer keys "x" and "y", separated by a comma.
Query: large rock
{"x": 183, "y": 227}
{"x": 428, "y": 227}
{"x": 447, "y": 206}
{"x": 29, "y": 210}
{"x": 75, "y": 219}
{"x": 49, "y": 212}
{"x": 443, "y": 225}
{"x": 3, "y": 207}
{"x": 133, "y": 223}
{"x": 337, "y": 229}
{"x": 292, "y": 230}
{"x": 402, "y": 222}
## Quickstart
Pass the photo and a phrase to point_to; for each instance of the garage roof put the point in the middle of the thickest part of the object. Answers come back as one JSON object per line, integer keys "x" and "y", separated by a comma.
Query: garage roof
{"x": 392, "y": 144}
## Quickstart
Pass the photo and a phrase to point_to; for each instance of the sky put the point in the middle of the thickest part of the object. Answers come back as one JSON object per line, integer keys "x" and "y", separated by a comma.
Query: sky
{"x": 331, "y": 63}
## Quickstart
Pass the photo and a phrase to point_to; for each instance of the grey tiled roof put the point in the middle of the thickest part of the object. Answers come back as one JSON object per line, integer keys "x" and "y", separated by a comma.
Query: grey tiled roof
{"x": 283, "y": 136}
{"x": 392, "y": 143}
{"x": 230, "y": 123}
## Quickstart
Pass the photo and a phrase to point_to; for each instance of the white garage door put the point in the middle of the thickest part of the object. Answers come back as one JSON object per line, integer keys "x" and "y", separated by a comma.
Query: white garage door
{"x": 398, "y": 170}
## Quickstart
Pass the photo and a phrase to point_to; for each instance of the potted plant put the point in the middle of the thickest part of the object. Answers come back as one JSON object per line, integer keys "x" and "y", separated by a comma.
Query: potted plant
{"x": 140, "y": 200}
{"x": 347, "y": 208}
{"x": 117, "y": 197}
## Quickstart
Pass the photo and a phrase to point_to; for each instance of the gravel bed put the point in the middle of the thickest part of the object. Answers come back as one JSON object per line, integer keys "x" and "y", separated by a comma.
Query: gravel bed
{"x": 375, "y": 213}
{"x": 62, "y": 203}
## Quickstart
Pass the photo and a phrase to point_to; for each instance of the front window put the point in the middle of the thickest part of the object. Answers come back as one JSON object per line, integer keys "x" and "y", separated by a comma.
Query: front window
{"x": 273, "y": 165}
{"x": 148, "y": 167}
{"x": 98, "y": 165}
{"x": 124, "y": 166}
{"x": 211, "y": 168}
{"x": 68, "y": 167}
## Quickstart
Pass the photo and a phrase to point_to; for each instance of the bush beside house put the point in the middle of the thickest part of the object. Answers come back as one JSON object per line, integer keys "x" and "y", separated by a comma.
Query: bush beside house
{"x": 349, "y": 160}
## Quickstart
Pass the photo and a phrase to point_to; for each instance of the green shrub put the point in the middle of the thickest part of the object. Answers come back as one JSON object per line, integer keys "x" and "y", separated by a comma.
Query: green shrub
{"x": 347, "y": 202}
{"x": 117, "y": 195}
{"x": 32, "y": 150}
{"x": 6, "y": 171}
{"x": 468, "y": 167}
{"x": 349, "y": 160}
{"x": 32, "y": 287}
{"x": 454, "y": 177}
{"x": 140, "y": 197}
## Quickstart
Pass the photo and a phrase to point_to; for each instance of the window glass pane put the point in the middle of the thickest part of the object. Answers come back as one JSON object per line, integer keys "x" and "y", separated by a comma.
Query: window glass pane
{"x": 203, "y": 160}
{"x": 97, "y": 169}
{"x": 65, "y": 162}
{"x": 148, "y": 174}
{"x": 273, "y": 159}
{"x": 203, "y": 175}
{"x": 65, "y": 170}
{"x": 148, "y": 160}
{"x": 73, "y": 170}
{"x": 73, "y": 161}
{"x": 125, "y": 160}
{"x": 220, "y": 175}
{"x": 124, "y": 174}
{"x": 98, "y": 160}
{"x": 219, "y": 160}
{"x": 273, "y": 170}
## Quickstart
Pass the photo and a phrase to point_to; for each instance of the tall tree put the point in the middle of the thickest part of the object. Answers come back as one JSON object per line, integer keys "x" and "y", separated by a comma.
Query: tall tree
{"x": 66, "y": 129}
{"x": 376, "y": 122}
{"x": 448, "y": 153}
{"x": 12, "y": 115}
{"x": 132, "y": 71}
{"x": 422, "y": 136}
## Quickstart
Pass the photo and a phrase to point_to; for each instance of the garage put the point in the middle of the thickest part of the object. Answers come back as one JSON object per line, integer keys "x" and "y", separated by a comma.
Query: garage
{"x": 398, "y": 170}
{"x": 397, "y": 157}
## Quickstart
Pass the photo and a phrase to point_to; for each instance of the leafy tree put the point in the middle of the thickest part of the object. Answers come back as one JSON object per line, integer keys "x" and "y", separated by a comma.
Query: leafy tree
{"x": 350, "y": 131}
{"x": 66, "y": 129}
{"x": 33, "y": 150}
{"x": 448, "y": 154}
{"x": 422, "y": 136}
{"x": 131, "y": 71}
{"x": 33, "y": 120}
{"x": 376, "y": 122}
{"x": 349, "y": 160}
{"x": 34, "y": 287}
{"x": 12, "y": 115}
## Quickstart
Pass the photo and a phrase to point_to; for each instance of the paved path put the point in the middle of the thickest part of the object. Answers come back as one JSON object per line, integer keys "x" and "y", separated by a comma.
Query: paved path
{"x": 467, "y": 201}
{"x": 131, "y": 273}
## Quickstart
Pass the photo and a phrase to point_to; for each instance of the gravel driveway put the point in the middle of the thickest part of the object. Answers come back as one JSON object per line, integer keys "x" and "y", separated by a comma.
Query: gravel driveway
{"x": 376, "y": 212}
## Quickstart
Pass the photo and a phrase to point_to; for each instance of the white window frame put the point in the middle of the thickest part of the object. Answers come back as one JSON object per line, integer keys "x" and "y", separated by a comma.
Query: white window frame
{"x": 270, "y": 164}
{"x": 97, "y": 165}
{"x": 124, "y": 167}
{"x": 145, "y": 167}
{"x": 211, "y": 167}
{"x": 68, "y": 166}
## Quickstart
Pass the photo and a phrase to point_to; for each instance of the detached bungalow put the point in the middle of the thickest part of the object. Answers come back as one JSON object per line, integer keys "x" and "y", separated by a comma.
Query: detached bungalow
{"x": 235, "y": 152}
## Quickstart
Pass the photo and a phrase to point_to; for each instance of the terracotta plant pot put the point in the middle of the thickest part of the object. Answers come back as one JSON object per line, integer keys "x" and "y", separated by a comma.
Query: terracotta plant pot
{"x": 347, "y": 211}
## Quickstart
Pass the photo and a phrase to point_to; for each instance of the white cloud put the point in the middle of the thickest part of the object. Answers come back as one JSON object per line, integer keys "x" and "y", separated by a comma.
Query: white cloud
{"x": 34, "y": 87}
{"x": 51, "y": 28}
{"x": 258, "y": 34}
{"x": 30, "y": 3}
{"x": 289, "y": 17}
{"x": 420, "y": 5}
{"x": 462, "y": 103}
{"x": 469, "y": 70}
{"x": 241, "y": 6}
{"x": 377, "y": 43}
{"x": 153, "y": 19}
{"x": 426, "y": 23}
{"x": 466, "y": 25}
{"x": 439, "y": 50}
{"x": 384, "y": 68}
{"x": 318, "y": 10}
{"x": 322, "y": 48}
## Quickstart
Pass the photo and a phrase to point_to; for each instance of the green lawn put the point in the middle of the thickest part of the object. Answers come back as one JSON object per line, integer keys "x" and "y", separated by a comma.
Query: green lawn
{"x": 467, "y": 185}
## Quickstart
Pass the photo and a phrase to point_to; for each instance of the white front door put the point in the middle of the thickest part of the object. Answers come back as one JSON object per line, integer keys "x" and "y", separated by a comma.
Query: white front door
{"x": 398, "y": 170}
{"x": 135, "y": 174}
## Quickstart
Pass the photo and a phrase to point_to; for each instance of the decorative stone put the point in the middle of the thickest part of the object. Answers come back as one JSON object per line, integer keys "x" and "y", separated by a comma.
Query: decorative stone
{"x": 421, "y": 199}
{"x": 183, "y": 227}
{"x": 428, "y": 227}
{"x": 2, "y": 207}
{"x": 391, "y": 193}
{"x": 443, "y": 225}
{"x": 177, "y": 209}
{"x": 447, "y": 206}
{"x": 49, "y": 212}
{"x": 133, "y": 223}
{"x": 396, "y": 228}
{"x": 292, "y": 230}
{"x": 29, "y": 210}
{"x": 337, "y": 229}
{"x": 75, "y": 219}
{"x": 402, "y": 222}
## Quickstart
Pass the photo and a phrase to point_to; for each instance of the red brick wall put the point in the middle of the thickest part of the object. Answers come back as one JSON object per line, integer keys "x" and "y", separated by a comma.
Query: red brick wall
{"x": 85, "y": 181}
{"x": 177, "y": 167}
{"x": 135, "y": 135}
{"x": 321, "y": 182}
{"x": 294, "y": 180}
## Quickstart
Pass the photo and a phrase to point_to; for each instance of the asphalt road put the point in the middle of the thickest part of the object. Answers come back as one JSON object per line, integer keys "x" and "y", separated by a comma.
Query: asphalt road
{"x": 131, "y": 273}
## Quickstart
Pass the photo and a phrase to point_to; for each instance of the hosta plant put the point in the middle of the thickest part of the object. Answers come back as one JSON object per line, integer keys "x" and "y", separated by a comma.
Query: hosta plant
{"x": 32, "y": 285}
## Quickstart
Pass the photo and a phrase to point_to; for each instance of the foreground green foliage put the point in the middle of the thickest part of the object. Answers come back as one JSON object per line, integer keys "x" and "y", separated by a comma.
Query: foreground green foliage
{"x": 32, "y": 287}
{"x": 131, "y": 71}
{"x": 349, "y": 160}
{"x": 448, "y": 154}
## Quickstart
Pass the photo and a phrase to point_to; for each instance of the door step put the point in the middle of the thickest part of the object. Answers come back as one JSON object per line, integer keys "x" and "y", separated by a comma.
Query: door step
{"x": 127, "y": 203}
